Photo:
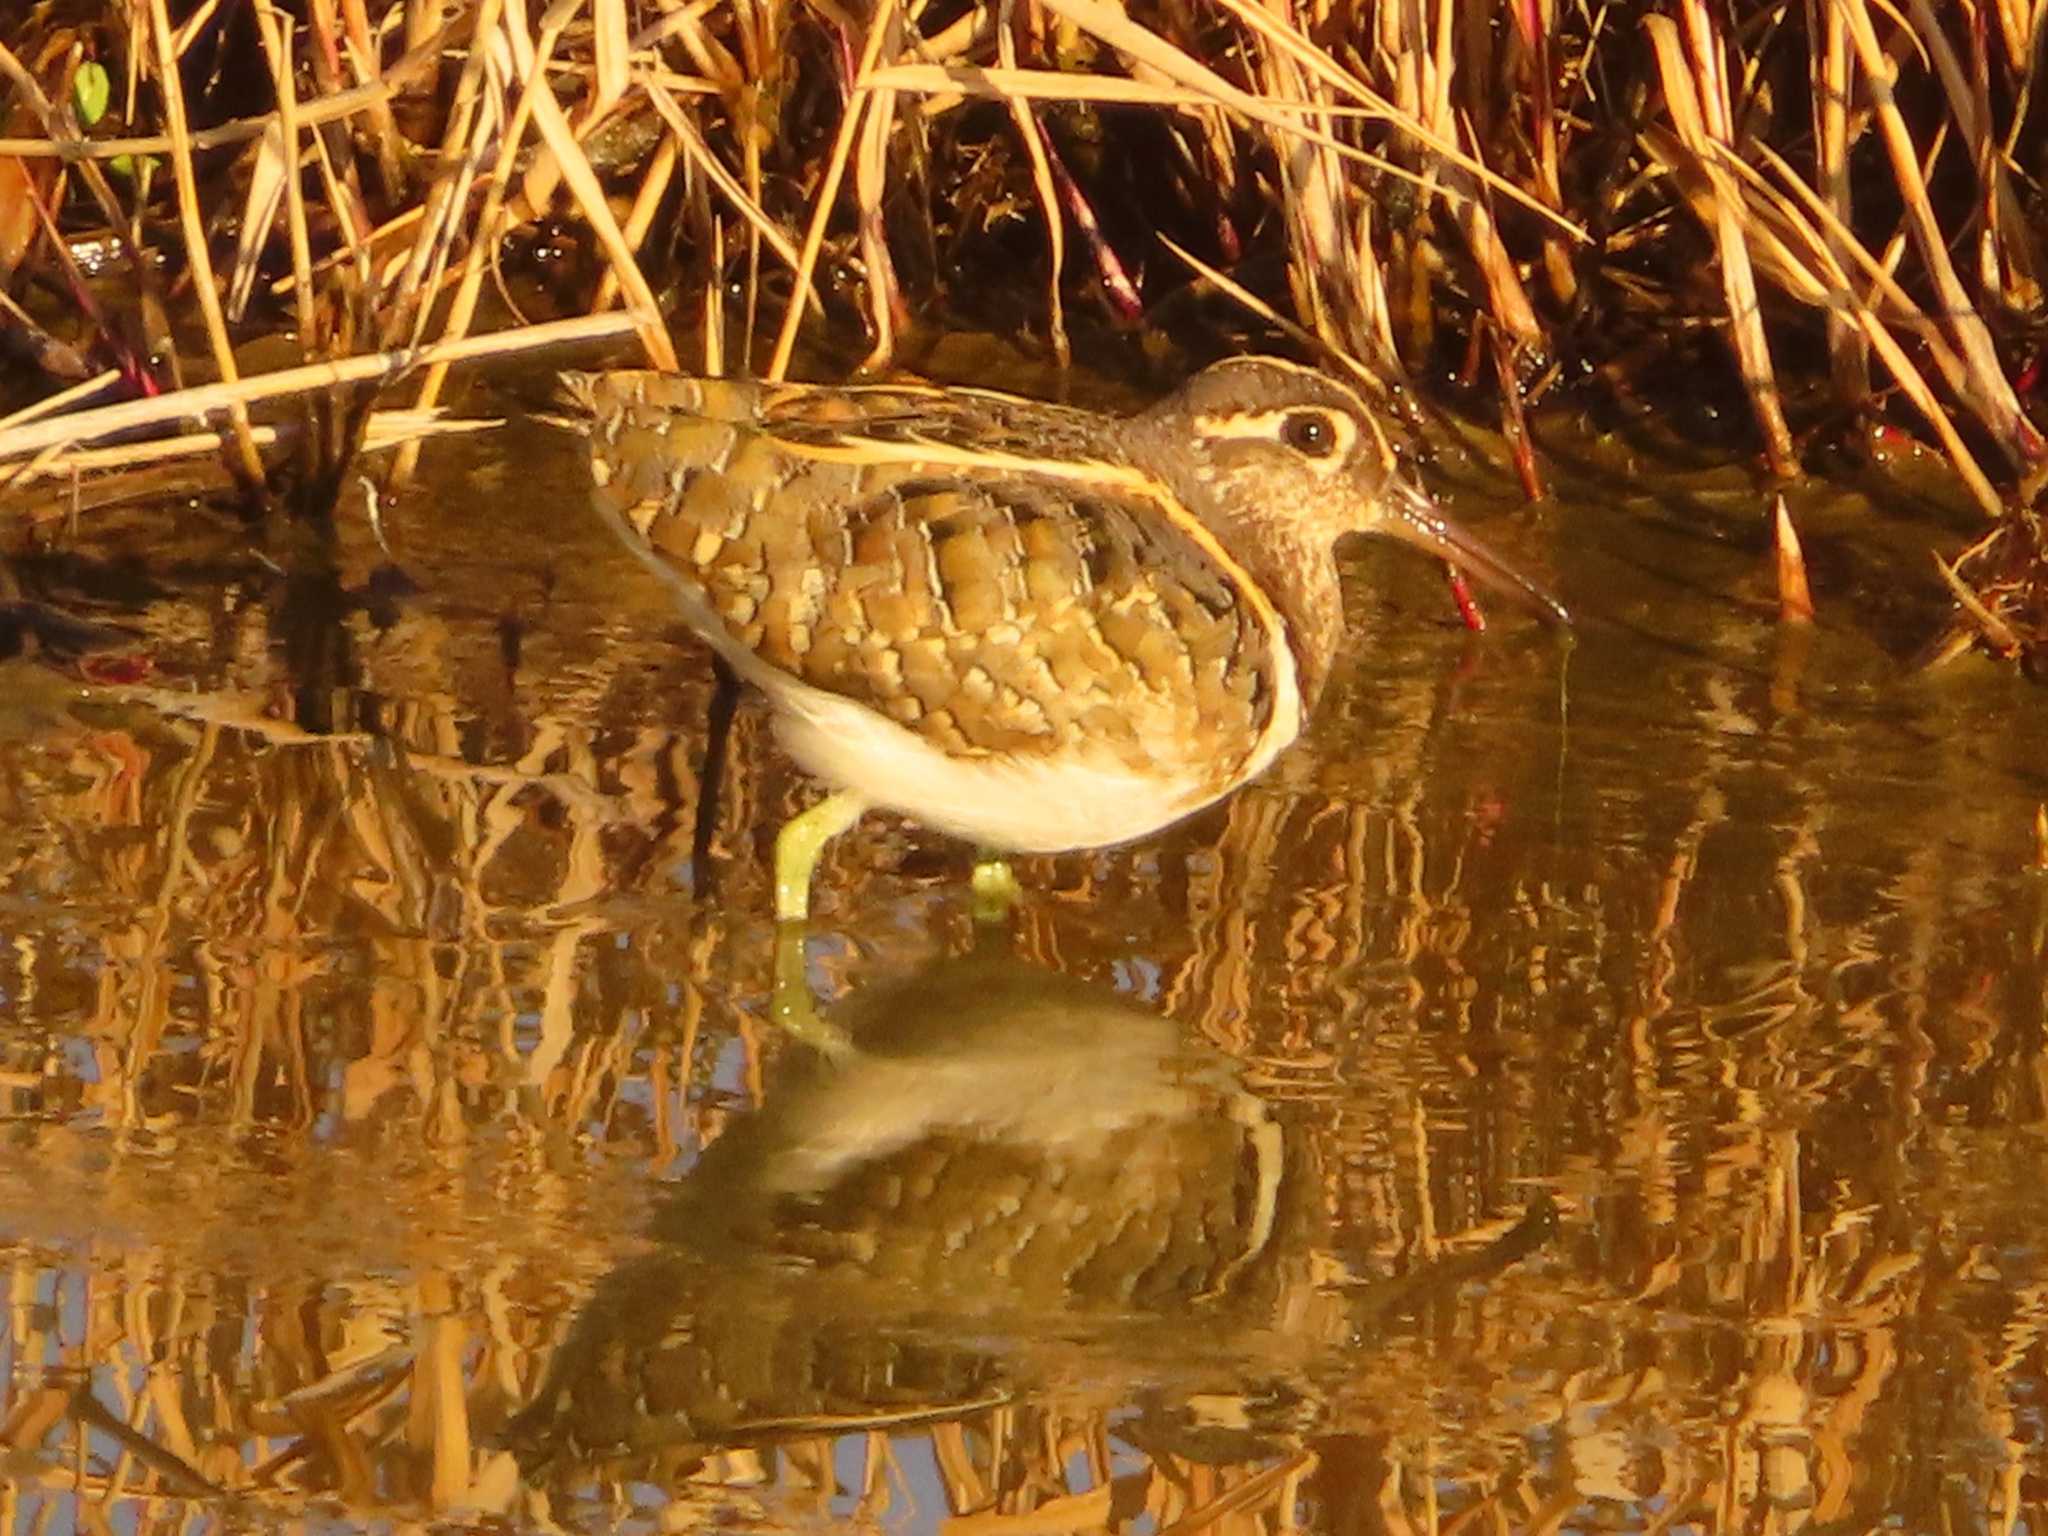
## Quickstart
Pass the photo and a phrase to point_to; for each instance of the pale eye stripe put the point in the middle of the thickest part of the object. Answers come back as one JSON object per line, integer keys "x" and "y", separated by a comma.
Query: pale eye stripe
{"x": 1267, "y": 425}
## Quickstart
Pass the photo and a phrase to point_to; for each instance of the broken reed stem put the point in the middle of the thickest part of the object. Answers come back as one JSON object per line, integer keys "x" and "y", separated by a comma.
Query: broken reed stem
{"x": 1795, "y": 596}
{"x": 326, "y": 109}
{"x": 204, "y": 400}
{"x": 384, "y": 430}
{"x": 194, "y": 225}
{"x": 590, "y": 200}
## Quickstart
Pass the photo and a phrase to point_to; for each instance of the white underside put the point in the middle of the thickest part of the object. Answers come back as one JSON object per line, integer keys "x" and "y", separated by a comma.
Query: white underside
{"x": 1016, "y": 805}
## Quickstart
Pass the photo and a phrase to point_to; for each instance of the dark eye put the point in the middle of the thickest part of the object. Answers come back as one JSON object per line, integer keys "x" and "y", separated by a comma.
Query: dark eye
{"x": 1310, "y": 432}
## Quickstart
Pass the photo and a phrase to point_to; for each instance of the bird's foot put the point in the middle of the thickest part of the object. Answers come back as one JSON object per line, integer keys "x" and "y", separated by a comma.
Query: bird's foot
{"x": 995, "y": 891}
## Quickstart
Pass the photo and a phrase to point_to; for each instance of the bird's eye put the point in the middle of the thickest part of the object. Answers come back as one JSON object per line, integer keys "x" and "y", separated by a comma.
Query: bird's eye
{"x": 1309, "y": 432}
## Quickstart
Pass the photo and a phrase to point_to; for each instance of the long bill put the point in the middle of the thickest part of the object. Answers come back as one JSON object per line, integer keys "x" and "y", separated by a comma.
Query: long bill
{"x": 1409, "y": 515}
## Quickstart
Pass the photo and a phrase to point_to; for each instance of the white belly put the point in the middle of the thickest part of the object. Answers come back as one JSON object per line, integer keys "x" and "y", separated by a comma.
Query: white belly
{"x": 1008, "y": 804}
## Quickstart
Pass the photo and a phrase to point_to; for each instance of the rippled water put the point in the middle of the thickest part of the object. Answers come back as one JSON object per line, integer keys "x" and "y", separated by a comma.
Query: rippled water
{"x": 1585, "y": 1085}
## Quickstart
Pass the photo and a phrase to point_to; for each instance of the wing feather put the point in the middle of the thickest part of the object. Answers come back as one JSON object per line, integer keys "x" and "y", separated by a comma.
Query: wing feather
{"x": 942, "y": 562}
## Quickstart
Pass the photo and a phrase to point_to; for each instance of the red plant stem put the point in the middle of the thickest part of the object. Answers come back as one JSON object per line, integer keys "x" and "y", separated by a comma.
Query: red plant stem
{"x": 1109, "y": 267}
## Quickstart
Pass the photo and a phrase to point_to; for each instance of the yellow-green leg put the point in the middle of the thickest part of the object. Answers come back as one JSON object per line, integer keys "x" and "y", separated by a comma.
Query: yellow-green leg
{"x": 995, "y": 889}
{"x": 798, "y": 845}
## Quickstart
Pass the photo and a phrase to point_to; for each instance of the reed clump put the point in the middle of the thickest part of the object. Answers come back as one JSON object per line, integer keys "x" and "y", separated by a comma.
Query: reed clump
{"x": 1833, "y": 207}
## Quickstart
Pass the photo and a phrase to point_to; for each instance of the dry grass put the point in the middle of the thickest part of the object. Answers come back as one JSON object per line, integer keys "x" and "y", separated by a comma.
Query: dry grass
{"x": 1403, "y": 180}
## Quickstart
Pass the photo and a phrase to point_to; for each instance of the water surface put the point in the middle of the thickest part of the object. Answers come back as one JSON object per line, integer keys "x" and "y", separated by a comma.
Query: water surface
{"x": 1584, "y": 1085}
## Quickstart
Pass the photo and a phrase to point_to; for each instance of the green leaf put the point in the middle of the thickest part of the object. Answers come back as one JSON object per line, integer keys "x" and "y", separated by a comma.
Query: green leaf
{"x": 90, "y": 91}
{"x": 136, "y": 168}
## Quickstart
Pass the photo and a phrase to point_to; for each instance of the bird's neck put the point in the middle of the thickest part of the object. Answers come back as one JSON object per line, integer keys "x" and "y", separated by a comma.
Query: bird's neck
{"x": 1289, "y": 559}
{"x": 1299, "y": 577}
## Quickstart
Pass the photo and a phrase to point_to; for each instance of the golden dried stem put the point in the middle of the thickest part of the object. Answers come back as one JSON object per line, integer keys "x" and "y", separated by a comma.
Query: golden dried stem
{"x": 886, "y": 309}
{"x": 1033, "y": 138}
{"x": 612, "y": 53}
{"x": 459, "y": 147}
{"x": 1011, "y": 83}
{"x": 325, "y": 110}
{"x": 277, "y": 30}
{"x": 1985, "y": 386}
{"x": 206, "y": 399}
{"x": 193, "y": 223}
{"x": 1835, "y": 288}
{"x": 588, "y": 193}
{"x": 383, "y": 431}
{"x": 654, "y": 182}
{"x": 879, "y": 29}
{"x": 1697, "y": 100}
{"x": 1995, "y": 631}
{"x": 60, "y": 400}
{"x": 484, "y": 235}
{"x": 1832, "y": 80}
{"x": 744, "y": 202}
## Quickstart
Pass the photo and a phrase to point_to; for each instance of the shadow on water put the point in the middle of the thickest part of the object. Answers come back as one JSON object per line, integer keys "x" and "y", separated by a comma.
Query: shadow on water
{"x": 398, "y": 1129}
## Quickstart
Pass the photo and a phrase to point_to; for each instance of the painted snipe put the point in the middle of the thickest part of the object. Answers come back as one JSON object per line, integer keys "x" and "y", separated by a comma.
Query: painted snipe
{"x": 1026, "y": 625}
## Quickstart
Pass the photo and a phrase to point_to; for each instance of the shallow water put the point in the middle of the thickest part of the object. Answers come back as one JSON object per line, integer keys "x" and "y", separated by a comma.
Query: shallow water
{"x": 1584, "y": 1085}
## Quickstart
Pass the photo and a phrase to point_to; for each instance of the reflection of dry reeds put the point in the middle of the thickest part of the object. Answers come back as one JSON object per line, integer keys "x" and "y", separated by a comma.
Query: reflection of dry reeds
{"x": 466, "y": 975}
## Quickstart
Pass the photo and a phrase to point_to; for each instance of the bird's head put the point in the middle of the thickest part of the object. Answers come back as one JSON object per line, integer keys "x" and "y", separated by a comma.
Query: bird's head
{"x": 1287, "y": 452}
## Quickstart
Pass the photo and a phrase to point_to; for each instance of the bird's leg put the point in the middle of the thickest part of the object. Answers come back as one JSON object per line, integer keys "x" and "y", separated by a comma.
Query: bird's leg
{"x": 797, "y": 847}
{"x": 995, "y": 888}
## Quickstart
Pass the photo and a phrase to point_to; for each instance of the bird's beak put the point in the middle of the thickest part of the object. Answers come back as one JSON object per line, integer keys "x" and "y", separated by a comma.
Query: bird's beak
{"x": 1407, "y": 514}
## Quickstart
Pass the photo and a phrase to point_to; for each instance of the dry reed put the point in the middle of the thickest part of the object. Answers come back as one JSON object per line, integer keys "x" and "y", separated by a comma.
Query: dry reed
{"x": 1411, "y": 167}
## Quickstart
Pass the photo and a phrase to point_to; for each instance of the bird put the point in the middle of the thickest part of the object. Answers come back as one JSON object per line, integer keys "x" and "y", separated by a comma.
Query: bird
{"x": 1030, "y": 626}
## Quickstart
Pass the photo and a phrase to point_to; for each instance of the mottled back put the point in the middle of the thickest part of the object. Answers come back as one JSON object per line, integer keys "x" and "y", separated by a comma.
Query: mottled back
{"x": 990, "y": 573}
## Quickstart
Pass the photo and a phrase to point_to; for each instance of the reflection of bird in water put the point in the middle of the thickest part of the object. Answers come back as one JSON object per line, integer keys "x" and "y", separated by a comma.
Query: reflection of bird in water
{"x": 1029, "y": 626}
{"x": 987, "y": 1180}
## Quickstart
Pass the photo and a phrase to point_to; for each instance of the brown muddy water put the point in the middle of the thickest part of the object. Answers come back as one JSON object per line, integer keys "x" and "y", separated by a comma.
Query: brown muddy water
{"x": 1590, "y": 1085}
